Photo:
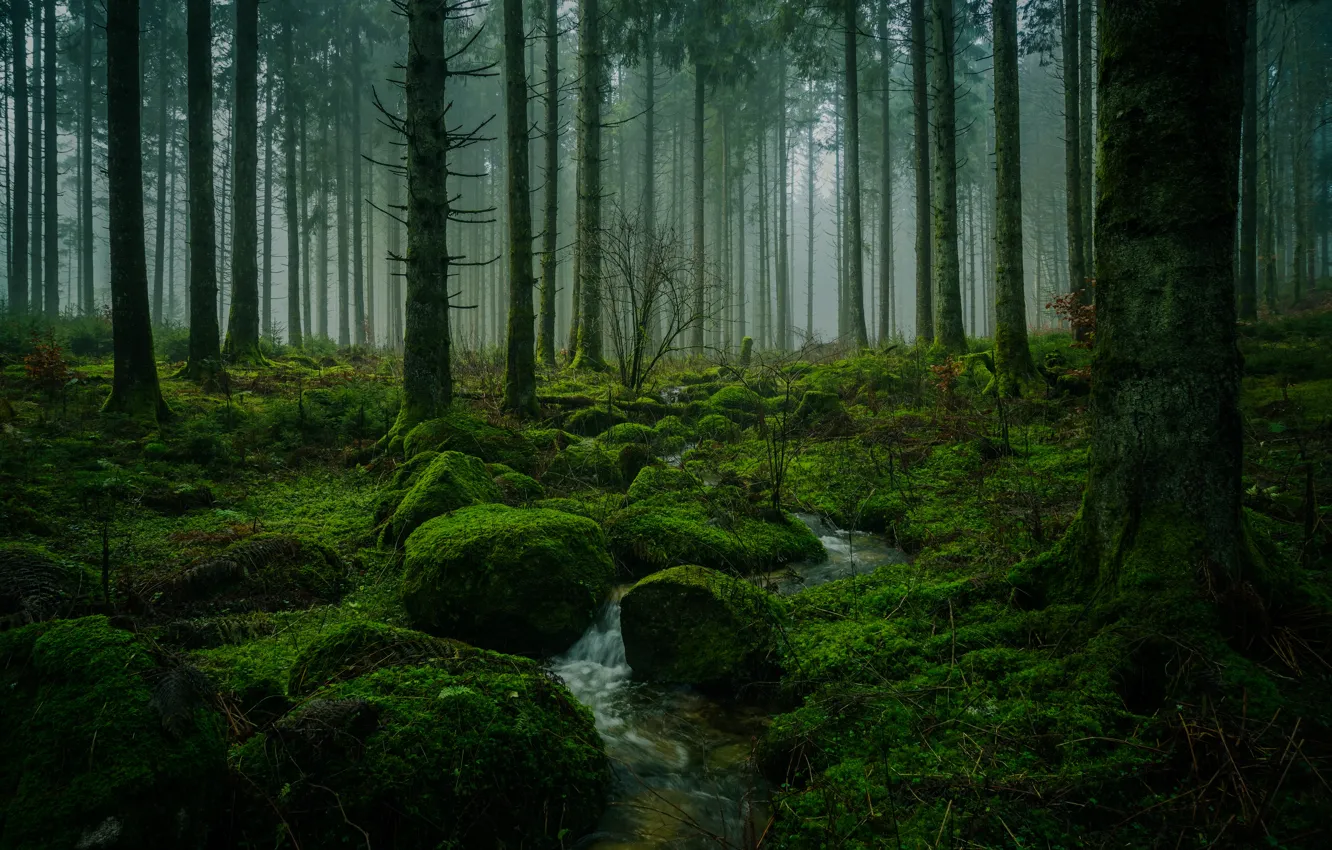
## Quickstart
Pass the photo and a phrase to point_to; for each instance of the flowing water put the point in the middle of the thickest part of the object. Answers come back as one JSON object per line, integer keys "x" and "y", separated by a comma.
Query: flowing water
{"x": 684, "y": 775}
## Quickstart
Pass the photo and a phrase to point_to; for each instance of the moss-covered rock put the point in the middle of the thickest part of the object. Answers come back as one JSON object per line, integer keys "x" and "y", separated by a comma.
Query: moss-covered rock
{"x": 658, "y": 480}
{"x": 34, "y": 586}
{"x": 102, "y": 746}
{"x": 517, "y": 489}
{"x": 822, "y": 410}
{"x": 585, "y": 464}
{"x": 633, "y": 458}
{"x": 716, "y": 427}
{"x": 669, "y": 531}
{"x": 695, "y": 626}
{"x": 462, "y": 432}
{"x": 591, "y": 421}
{"x": 410, "y": 470}
{"x": 264, "y": 572}
{"x": 452, "y": 481}
{"x": 739, "y": 404}
{"x": 594, "y": 505}
{"x": 630, "y": 432}
{"x": 525, "y": 581}
{"x": 673, "y": 426}
{"x": 447, "y": 754}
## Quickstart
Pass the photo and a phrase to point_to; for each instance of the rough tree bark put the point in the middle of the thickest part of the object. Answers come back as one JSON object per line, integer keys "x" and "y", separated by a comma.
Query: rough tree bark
{"x": 590, "y": 71}
{"x": 949, "y": 335}
{"x": 204, "y": 344}
{"x": 886, "y": 300}
{"x": 159, "y": 248}
{"x": 520, "y": 364}
{"x": 924, "y": 203}
{"x": 291, "y": 95}
{"x": 700, "y": 284}
{"x": 134, "y": 388}
{"x": 242, "y": 343}
{"x": 1077, "y": 269}
{"x": 855, "y": 208}
{"x": 51, "y": 230}
{"x": 549, "y": 246}
{"x": 18, "y": 250}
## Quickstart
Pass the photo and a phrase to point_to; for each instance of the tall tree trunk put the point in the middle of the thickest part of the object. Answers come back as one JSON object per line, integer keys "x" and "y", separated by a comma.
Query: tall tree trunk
{"x": 357, "y": 201}
{"x": 344, "y": 224}
{"x": 37, "y": 298}
{"x": 520, "y": 364}
{"x": 855, "y": 208}
{"x": 427, "y": 382}
{"x": 159, "y": 248}
{"x": 305, "y": 225}
{"x": 171, "y": 233}
{"x": 550, "y": 244}
{"x": 886, "y": 182}
{"x": 134, "y": 388}
{"x": 266, "y": 281}
{"x": 325, "y": 200}
{"x": 1014, "y": 368}
{"x": 291, "y": 96}
{"x": 52, "y": 223}
{"x": 204, "y": 355}
{"x": 783, "y": 226}
{"x": 1087, "y": 132}
{"x": 18, "y": 229}
{"x": 949, "y": 335}
{"x": 1077, "y": 270}
{"x": 764, "y": 281}
{"x": 590, "y": 70}
{"x": 700, "y": 284}
{"x": 924, "y": 203}
{"x": 1248, "y": 248}
{"x": 809, "y": 244}
{"x": 86, "y": 244}
{"x": 243, "y": 323}
{"x": 1163, "y": 492}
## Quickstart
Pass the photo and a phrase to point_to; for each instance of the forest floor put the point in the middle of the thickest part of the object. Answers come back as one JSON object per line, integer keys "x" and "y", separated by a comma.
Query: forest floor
{"x": 921, "y": 705}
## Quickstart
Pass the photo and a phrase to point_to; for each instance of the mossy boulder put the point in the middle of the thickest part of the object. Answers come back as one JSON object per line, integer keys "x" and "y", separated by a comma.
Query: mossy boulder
{"x": 410, "y": 470}
{"x": 517, "y": 489}
{"x": 715, "y": 426}
{"x": 591, "y": 421}
{"x": 527, "y": 581}
{"x": 672, "y": 426}
{"x": 461, "y": 432}
{"x": 585, "y": 464}
{"x": 739, "y": 404}
{"x": 694, "y": 626}
{"x": 453, "y": 753}
{"x": 594, "y": 505}
{"x": 668, "y": 531}
{"x": 452, "y": 481}
{"x": 630, "y": 432}
{"x": 633, "y": 458}
{"x": 35, "y": 586}
{"x": 351, "y": 650}
{"x": 658, "y": 480}
{"x": 102, "y": 745}
{"x": 264, "y": 572}
{"x": 819, "y": 409}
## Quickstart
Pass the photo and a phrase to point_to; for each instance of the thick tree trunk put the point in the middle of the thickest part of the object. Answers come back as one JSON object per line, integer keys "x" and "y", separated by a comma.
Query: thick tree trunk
{"x": 1012, "y": 355}
{"x": 855, "y": 208}
{"x": 550, "y": 244}
{"x": 134, "y": 388}
{"x": 1087, "y": 133}
{"x": 590, "y": 67}
{"x": 520, "y": 364}
{"x": 242, "y": 344}
{"x": 18, "y": 230}
{"x": 1077, "y": 269}
{"x": 1248, "y": 264}
{"x": 291, "y": 96}
{"x": 700, "y": 284}
{"x": 357, "y": 201}
{"x": 427, "y": 379}
{"x": 37, "y": 297}
{"x": 924, "y": 203}
{"x": 783, "y": 330}
{"x": 86, "y": 168}
{"x": 1163, "y": 497}
{"x": 949, "y": 335}
{"x": 886, "y": 300}
{"x": 204, "y": 353}
{"x": 52, "y": 223}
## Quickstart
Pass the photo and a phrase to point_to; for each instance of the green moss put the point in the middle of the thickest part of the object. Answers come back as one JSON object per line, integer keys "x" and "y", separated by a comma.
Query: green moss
{"x": 629, "y": 432}
{"x": 462, "y": 432}
{"x": 36, "y": 586}
{"x": 717, "y": 427}
{"x": 673, "y": 426}
{"x": 691, "y": 625}
{"x": 410, "y": 470}
{"x": 266, "y": 571}
{"x": 525, "y": 581}
{"x": 591, "y": 421}
{"x": 584, "y": 464}
{"x": 452, "y": 481}
{"x": 100, "y": 739}
{"x": 668, "y": 531}
{"x": 658, "y": 480}
{"x": 446, "y": 755}
{"x": 518, "y": 489}
{"x": 593, "y": 505}
{"x": 820, "y": 409}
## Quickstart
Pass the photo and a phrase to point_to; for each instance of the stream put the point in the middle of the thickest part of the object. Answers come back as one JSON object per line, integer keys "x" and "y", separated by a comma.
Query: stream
{"x": 683, "y": 774}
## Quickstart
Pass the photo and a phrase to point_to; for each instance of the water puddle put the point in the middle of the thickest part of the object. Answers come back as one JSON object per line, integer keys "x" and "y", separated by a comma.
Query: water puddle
{"x": 683, "y": 765}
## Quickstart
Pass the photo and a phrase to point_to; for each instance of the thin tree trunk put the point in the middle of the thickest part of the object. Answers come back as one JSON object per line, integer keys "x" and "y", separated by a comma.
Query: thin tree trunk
{"x": 37, "y": 298}
{"x": 204, "y": 354}
{"x": 134, "y": 387}
{"x": 924, "y": 203}
{"x": 357, "y": 201}
{"x": 550, "y": 244}
{"x": 1087, "y": 132}
{"x": 171, "y": 234}
{"x": 52, "y": 223}
{"x": 520, "y": 364}
{"x": 886, "y": 182}
{"x": 949, "y": 335}
{"x": 266, "y": 286}
{"x": 18, "y": 228}
{"x": 86, "y": 168}
{"x": 1077, "y": 270}
{"x": 696, "y": 336}
{"x": 855, "y": 207}
{"x": 344, "y": 222}
{"x": 764, "y": 281}
{"x": 242, "y": 343}
{"x": 809, "y": 245}
{"x": 159, "y": 250}
{"x": 1248, "y": 248}
{"x": 293, "y": 106}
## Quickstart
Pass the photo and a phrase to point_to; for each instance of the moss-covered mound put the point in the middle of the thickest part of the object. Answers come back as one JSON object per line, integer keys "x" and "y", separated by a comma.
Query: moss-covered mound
{"x": 524, "y": 581}
{"x": 265, "y": 572}
{"x": 695, "y": 626}
{"x": 715, "y": 426}
{"x": 659, "y": 480}
{"x": 630, "y": 432}
{"x": 591, "y": 421}
{"x": 822, "y": 410}
{"x": 739, "y": 404}
{"x": 585, "y": 464}
{"x": 34, "y": 586}
{"x": 461, "y": 432}
{"x": 450, "y": 754}
{"x": 452, "y": 481}
{"x": 354, "y": 649}
{"x": 517, "y": 489}
{"x": 670, "y": 531}
{"x": 100, "y": 745}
